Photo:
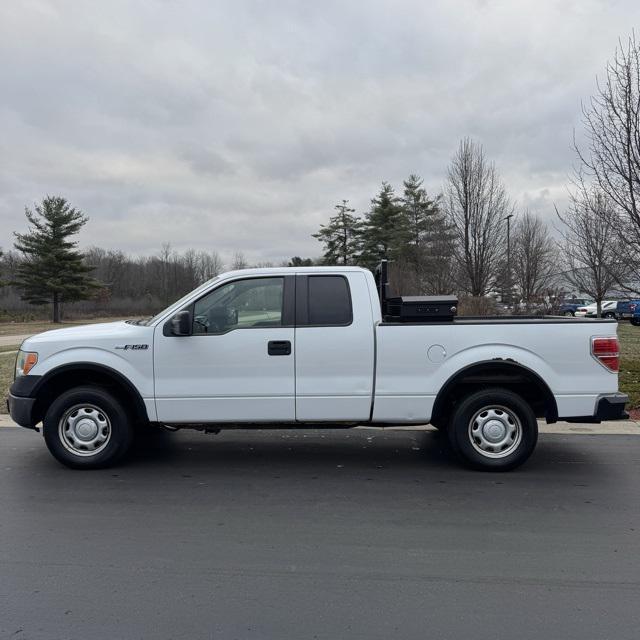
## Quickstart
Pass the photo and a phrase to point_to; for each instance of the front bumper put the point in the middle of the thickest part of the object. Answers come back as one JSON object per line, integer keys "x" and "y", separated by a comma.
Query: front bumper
{"x": 608, "y": 407}
{"x": 22, "y": 399}
{"x": 21, "y": 410}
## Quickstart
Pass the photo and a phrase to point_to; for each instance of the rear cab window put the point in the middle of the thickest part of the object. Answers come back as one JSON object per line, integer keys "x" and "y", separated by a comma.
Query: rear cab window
{"x": 328, "y": 302}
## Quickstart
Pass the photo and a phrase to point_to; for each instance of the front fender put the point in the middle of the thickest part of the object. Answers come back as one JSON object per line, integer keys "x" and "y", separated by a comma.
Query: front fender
{"x": 135, "y": 366}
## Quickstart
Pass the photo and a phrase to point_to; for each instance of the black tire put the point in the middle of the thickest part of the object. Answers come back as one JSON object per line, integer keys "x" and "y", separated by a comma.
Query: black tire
{"x": 635, "y": 322}
{"x": 569, "y": 313}
{"x": 502, "y": 407}
{"x": 100, "y": 411}
{"x": 608, "y": 315}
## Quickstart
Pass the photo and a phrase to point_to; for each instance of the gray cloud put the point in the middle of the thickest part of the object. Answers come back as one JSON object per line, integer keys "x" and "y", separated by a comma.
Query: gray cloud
{"x": 237, "y": 126}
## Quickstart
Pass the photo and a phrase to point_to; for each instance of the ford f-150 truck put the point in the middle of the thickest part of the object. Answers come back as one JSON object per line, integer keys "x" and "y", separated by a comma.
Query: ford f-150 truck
{"x": 311, "y": 347}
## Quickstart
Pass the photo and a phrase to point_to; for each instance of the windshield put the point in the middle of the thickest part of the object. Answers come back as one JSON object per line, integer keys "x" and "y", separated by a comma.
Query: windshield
{"x": 176, "y": 305}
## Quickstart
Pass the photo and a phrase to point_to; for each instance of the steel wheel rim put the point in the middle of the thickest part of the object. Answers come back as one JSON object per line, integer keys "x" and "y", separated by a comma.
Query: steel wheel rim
{"x": 84, "y": 430}
{"x": 495, "y": 431}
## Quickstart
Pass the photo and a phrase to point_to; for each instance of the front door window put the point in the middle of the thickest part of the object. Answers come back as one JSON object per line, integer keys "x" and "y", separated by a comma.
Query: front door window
{"x": 242, "y": 304}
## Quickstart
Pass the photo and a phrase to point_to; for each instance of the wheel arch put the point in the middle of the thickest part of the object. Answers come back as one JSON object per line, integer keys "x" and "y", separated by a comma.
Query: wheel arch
{"x": 496, "y": 373}
{"x": 68, "y": 376}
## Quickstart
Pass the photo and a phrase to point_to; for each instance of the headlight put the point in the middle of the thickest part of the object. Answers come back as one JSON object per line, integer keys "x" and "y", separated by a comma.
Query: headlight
{"x": 25, "y": 361}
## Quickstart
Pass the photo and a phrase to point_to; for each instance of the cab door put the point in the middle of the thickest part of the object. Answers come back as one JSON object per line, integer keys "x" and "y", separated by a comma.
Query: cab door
{"x": 334, "y": 347}
{"x": 238, "y": 364}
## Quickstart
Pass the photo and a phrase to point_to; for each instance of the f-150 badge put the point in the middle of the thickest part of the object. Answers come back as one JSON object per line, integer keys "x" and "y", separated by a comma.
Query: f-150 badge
{"x": 133, "y": 347}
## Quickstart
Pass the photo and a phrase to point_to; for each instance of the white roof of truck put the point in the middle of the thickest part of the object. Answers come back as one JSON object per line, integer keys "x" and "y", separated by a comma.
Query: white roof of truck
{"x": 290, "y": 270}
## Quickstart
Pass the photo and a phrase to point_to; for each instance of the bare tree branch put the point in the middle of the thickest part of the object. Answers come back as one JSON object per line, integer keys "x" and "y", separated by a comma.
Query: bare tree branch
{"x": 611, "y": 158}
{"x": 592, "y": 251}
{"x": 533, "y": 256}
{"x": 477, "y": 203}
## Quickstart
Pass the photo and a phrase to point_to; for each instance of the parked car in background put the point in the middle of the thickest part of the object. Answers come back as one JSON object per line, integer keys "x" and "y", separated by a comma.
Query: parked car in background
{"x": 591, "y": 311}
{"x": 570, "y": 306}
{"x": 626, "y": 309}
{"x": 635, "y": 317}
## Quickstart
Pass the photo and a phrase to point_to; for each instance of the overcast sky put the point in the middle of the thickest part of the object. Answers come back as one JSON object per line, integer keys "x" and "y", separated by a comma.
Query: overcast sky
{"x": 238, "y": 125}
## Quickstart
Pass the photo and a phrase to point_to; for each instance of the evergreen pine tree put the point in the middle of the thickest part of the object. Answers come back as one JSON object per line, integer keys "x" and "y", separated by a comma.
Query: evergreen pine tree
{"x": 53, "y": 270}
{"x": 385, "y": 228}
{"x": 429, "y": 240}
{"x": 420, "y": 212}
{"x": 341, "y": 236}
{"x": 297, "y": 261}
{"x": 439, "y": 266}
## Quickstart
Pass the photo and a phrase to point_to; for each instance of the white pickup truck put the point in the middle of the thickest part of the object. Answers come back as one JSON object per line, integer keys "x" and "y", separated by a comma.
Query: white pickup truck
{"x": 309, "y": 348}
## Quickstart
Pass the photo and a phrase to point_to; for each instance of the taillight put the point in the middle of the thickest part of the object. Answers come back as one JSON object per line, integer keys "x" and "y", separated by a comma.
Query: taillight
{"x": 607, "y": 352}
{"x": 582, "y": 309}
{"x": 632, "y": 307}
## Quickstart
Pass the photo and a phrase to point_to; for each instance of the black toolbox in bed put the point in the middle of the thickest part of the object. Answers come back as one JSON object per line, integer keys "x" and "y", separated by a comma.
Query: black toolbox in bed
{"x": 421, "y": 308}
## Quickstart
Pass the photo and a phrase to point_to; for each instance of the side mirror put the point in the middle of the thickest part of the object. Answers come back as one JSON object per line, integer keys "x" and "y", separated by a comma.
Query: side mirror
{"x": 182, "y": 324}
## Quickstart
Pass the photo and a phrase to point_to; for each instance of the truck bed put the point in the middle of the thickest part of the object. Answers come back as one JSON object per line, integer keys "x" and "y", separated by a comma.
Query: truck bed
{"x": 415, "y": 360}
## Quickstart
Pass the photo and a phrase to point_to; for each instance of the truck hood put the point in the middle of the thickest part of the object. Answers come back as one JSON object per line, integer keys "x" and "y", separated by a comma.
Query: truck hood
{"x": 89, "y": 335}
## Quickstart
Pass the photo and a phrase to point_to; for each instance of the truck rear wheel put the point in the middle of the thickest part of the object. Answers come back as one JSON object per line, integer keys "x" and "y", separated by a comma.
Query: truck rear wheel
{"x": 87, "y": 428}
{"x": 493, "y": 430}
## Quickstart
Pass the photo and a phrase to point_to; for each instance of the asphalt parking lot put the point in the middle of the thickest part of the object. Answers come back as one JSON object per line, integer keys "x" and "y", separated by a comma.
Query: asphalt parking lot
{"x": 322, "y": 534}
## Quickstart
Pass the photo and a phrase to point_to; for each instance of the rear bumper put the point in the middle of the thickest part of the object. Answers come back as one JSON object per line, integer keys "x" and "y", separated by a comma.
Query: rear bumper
{"x": 608, "y": 407}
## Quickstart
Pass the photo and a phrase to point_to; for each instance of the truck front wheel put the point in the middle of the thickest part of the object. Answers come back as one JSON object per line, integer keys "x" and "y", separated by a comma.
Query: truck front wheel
{"x": 493, "y": 430}
{"x": 87, "y": 428}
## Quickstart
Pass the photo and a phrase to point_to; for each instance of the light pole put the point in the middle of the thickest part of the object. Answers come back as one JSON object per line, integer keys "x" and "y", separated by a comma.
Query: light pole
{"x": 508, "y": 219}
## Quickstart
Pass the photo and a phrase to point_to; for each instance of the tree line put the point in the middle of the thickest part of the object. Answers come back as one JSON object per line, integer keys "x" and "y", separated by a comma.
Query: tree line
{"x": 46, "y": 272}
{"x": 458, "y": 241}
{"x": 38, "y": 280}
{"x": 408, "y": 229}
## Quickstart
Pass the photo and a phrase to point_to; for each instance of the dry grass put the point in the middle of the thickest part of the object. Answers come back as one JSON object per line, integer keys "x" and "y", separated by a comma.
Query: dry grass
{"x": 7, "y": 348}
{"x": 7, "y": 364}
{"x": 630, "y": 362}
